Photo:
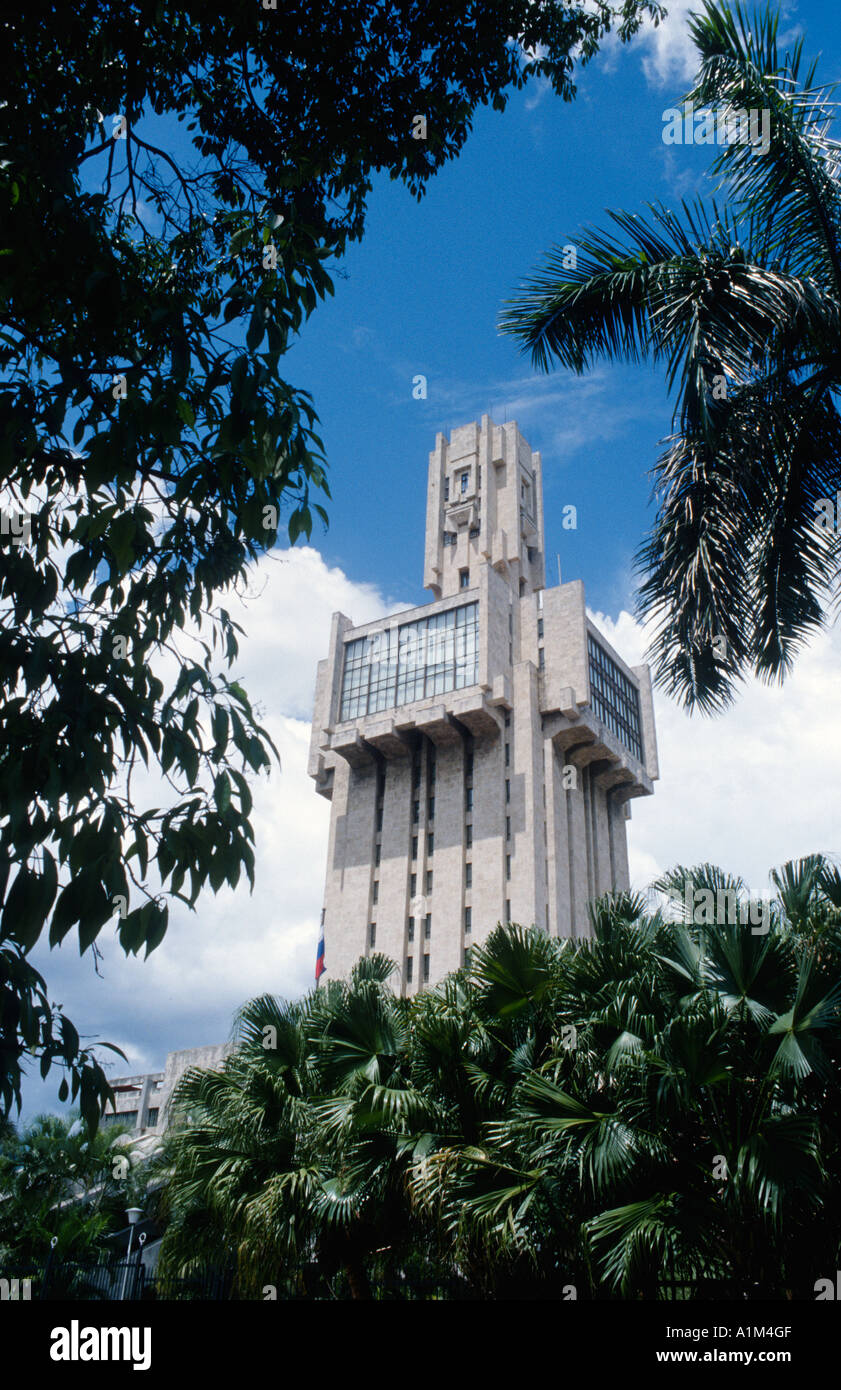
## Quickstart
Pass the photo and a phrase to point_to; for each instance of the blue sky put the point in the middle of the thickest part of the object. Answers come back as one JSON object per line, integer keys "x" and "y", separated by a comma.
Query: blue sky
{"x": 421, "y": 295}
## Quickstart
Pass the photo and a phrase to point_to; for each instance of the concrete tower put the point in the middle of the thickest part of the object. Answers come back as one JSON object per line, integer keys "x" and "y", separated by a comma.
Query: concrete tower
{"x": 479, "y": 751}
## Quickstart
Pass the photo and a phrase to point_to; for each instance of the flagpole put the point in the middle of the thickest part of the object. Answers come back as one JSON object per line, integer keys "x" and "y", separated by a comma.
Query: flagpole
{"x": 319, "y": 955}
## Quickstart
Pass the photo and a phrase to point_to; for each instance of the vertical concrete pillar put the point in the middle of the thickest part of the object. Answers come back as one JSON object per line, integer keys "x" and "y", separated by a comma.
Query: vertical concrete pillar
{"x": 395, "y": 850}
{"x": 527, "y": 886}
{"x": 446, "y": 903}
{"x": 577, "y": 805}
{"x": 348, "y": 896}
{"x": 488, "y": 822}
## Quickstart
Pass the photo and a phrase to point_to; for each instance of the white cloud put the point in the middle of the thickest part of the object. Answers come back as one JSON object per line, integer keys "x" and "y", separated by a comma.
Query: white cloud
{"x": 236, "y": 945}
{"x": 669, "y": 55}
{"x": 575, "y": 411}
{"x": 538, "y": 90}
{"x": 747, "y": 791}
{"x": 670, "y": 58}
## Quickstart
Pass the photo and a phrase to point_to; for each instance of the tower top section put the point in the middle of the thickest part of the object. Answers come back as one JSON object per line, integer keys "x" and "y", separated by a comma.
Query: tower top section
{"x": 484, "y": 503}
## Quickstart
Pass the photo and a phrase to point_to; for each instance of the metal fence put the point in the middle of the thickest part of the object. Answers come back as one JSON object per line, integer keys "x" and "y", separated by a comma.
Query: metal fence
{"x": 115, "y": 1280}
{"x": 59, "y": 1279}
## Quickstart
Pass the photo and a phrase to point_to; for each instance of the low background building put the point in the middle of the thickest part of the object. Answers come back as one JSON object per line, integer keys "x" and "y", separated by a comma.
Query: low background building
{"x": 141, "y": 1101}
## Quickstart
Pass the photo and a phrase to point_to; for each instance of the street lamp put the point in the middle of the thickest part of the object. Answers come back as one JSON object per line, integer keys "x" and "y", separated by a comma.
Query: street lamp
{"x": 134, "y": 1214}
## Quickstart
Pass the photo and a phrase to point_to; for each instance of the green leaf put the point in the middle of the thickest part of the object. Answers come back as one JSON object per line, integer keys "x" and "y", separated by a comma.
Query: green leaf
{"x": 156, "y": 931}
{"x": 256, "y": 327}
{"x": 240, "y": 240}
{"x": 185, "y": 410}
{"x": 67, "y": 910}
{"x": 222, "y": 791}
{"x": 23, "y": 918}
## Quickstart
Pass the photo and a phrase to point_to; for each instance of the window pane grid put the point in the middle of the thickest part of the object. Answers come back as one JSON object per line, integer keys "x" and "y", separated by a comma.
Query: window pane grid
{"x": 400, "y": 665}
{"x": 614, "y": 699}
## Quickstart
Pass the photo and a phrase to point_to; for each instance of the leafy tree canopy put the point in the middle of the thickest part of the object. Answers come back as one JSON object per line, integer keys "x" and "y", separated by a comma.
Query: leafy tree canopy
{"x": 174, "y": 181}
{"x": 62, "y": 1184}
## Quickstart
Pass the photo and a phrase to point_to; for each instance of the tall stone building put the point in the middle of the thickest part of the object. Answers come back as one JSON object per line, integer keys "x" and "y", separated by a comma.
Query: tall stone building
{"x": 480, "y": 752}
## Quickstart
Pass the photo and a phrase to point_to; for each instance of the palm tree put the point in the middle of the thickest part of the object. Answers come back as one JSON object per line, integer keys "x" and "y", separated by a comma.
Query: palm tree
{"x": 238, "y": 1161}
{"x": 296, "y": 1150}
{"x": 655, "y": 1105}
{"x": 57, "y": 1179}
{"x": 742, "y": 304}
{"x": 690, "y": 1132}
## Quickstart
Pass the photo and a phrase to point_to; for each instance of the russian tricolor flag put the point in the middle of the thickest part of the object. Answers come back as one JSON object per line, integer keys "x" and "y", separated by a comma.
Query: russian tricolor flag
{"x": 320, "y": 967}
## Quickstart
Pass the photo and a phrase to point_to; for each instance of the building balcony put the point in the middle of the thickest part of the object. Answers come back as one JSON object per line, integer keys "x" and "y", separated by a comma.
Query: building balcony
{"x": 443, "y": 719}
{"x": 582, "y": 740}
{"x": 463, "y": 512}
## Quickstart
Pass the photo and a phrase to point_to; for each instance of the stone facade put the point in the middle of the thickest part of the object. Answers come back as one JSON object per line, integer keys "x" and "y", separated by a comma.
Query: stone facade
{"x": 479, "y": 751}
{"x": 142, "y": 1101}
